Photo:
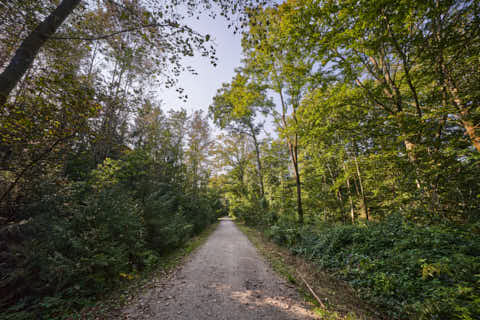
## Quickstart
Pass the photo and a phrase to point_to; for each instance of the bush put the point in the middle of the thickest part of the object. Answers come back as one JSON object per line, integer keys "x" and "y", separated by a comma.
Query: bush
{"x": 409, "y": 271}
{"x": 74, "y": 241}
{"x": 165, "y": 221}
{"x": 254, "y": 212}
{"x": 76, "y": 246}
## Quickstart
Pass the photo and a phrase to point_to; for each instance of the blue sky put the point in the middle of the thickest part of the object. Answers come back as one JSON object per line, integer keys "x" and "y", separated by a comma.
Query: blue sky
{"x": 202, "y": 87}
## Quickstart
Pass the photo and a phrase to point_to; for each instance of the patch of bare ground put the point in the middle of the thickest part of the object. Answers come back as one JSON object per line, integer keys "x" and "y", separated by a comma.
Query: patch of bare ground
{"x": 334, "y": 298}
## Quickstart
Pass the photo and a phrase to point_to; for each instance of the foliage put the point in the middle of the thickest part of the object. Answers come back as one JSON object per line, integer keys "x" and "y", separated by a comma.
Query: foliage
{"x": 410, "y": 271}
{"x": 80, "y": 239}
{"x": 372, "y": 171}
{"x": 83, "y": 242}
{"x": 384, "y": 135}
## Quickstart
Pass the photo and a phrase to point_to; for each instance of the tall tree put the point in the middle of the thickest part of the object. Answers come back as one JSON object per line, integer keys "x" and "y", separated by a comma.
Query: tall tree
{"x": 197, "y": 152}
{"x": 283, "y": 65}
{"x": 392, "y": 50}
{"x": 235, "y": 107}
{"x": 155, "y": 21}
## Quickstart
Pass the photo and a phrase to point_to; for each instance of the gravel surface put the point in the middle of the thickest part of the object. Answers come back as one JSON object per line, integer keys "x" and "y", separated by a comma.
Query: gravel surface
{"x": 224, "y": 279}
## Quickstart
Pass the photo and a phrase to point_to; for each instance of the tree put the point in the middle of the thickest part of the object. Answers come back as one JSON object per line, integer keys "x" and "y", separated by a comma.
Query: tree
{"x": 382, "y": 50}
{"x": 232, "y": 153}
{"x": 50, "y": 112}
{"x": 153, "y": 21}
{"x": 28, "y": 50}
{"x": 197, "y": 152}
{"x": 235, "y": 108}
{"x": 283, "y": 65}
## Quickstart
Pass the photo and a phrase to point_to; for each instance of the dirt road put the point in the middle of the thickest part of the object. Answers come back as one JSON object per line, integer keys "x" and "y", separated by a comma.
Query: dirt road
{"x": 224, "y": 279}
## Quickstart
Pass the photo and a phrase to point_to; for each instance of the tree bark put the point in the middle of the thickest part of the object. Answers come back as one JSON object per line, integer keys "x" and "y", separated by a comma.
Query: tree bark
{"x": 471, "y": 131}
{"x": 299, "y": 186}
{"x": 29, "y": 48}
{"x": 259, "y": 163}
{"x": 293, "y": 148}
{"x": 464, "y": 115}
{"x": 364, "y": 197}
{"x": 352, "y": 210}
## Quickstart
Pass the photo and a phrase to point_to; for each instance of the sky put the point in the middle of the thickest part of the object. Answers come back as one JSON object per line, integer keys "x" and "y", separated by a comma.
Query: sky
{"x": 202, "y": 87}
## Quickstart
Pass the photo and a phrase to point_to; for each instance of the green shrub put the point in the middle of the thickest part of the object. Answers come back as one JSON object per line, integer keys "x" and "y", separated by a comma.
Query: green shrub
{"x": 408, "y": 270}
{"x": 165, "y": 221}
{"x": 75, "y": 247}
{"x": 254, "y": 212}
{"x": 75, "y": 241}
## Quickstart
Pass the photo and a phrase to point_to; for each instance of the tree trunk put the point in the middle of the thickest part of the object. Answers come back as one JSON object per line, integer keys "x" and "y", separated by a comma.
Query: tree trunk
{"x": 293, "y": 155}
{"x": 464, "y": 115}
{"x": 350, "y": 198}
{"x": 362, "y": 192}
{"x": 470, "y": 128}
{"x": 409, "y": 147}
{"x": 338, "y": 194}
{"x": 259, "y": 163}
{"x": 299, "y": 187}
{"x": 29, "y": 48}
{"x": 293, "y": 148}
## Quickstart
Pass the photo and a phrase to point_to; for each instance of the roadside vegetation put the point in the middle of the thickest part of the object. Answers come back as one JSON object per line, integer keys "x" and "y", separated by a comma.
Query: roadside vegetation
{"x": 349, "y": 135}
{"x": 372, "y": 173}
{"x": 112, "y": 303}
{"x": 98, "y": 184}
{"x": 332, "y": 298}
{"x": 406, "y": 271}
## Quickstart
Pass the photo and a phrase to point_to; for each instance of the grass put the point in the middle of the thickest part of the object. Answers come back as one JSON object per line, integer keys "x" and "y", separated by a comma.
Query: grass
{"x": 338, "y": 298}
{"x": 112, "y": 304}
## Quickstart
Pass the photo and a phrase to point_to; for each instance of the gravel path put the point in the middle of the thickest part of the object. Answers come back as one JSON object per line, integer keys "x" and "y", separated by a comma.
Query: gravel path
{"x": 224, "y": 279}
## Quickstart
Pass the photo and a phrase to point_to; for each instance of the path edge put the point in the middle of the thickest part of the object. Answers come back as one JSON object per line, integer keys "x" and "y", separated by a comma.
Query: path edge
{"x": 112, "y": 306}
{"x": 286, "y": 265}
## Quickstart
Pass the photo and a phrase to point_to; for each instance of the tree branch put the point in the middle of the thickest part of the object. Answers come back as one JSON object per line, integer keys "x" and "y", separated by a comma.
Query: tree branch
{"x": 109, "y": 35}
{"x": 31, "y": 165}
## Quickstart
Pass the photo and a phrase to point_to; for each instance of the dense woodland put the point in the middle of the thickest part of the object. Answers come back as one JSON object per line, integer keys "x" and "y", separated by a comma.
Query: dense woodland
{"x": 350, "y": 134}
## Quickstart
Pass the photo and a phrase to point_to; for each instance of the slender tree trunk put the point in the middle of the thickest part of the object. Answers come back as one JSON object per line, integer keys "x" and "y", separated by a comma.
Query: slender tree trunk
{"x": 293, "y": 148}
{"x": 92, "y": 61}
{"x": 362, "y": 192}
{"x": 29, "y": 48}
{"x": 338, "y": 194}
{"x": 352, "y": 210}
{"x": 299, "y": 187}
{"x": 293, "y": 155}
{"x": 259, "y": 163}
{"x": 342, "y": 206}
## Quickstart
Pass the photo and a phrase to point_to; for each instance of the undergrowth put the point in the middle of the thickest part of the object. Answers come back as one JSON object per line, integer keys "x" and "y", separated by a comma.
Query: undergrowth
{"x": 280, "y": 262}
{"x": 407, "y": 270}
{"x": 115, "y": 300}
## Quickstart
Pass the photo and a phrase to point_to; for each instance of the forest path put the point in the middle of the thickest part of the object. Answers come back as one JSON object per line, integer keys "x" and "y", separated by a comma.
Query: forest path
{"x": 224, "y": 279}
